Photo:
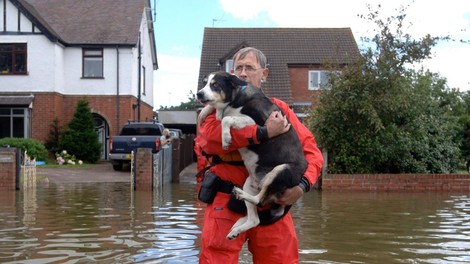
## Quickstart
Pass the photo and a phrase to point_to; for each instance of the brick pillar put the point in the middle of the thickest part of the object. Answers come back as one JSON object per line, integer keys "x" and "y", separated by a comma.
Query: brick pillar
{"x": 9, "y": 169}
{"x": 143, "y": 169}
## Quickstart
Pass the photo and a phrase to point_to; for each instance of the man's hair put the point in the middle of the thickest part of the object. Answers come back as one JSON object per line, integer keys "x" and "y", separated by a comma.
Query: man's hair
{"x": 241, "y": 54}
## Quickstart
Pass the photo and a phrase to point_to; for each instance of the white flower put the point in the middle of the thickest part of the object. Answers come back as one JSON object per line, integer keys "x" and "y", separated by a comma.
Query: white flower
{"x": 60, "y": 160}
{"x": 80, "y": 162}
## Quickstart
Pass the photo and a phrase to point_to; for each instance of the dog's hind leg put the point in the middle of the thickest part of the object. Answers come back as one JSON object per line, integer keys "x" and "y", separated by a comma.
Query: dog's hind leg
{"x": 251, "y": 219}
{"x": 267, "y": 180}
{"x": 245, "y": 223}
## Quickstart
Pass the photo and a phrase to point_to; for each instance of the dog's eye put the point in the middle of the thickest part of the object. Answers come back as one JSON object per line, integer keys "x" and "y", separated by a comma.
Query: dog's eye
{"x": 214, "y": 83}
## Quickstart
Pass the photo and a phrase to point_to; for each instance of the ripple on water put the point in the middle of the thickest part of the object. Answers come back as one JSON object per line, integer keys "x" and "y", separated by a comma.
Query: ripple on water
{"x": 87, "y": 223}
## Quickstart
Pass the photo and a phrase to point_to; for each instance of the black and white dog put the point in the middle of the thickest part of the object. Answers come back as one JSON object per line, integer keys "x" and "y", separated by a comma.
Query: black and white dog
{"x": 273, "y": 165}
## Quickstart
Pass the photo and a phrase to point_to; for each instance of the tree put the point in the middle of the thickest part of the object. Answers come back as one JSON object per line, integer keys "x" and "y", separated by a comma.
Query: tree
{"x": 464, "y": 121}
{"x": 191, "y": 104}
{"x": 53, "y": 139}
{"x": 383, "y": 116}
{"x": 80, "y": 138}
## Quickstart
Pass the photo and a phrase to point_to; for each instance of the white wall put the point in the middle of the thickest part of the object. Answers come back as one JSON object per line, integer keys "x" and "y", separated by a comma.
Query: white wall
{"x": 41, "y": 61}
{"x": 12, "y": 18}
{"x": 147, "y": 60}
{"x": 76, "y": 85}
{"x": 54, "y": 68}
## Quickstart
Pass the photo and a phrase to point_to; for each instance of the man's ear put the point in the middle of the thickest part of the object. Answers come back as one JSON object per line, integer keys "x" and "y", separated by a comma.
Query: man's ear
{"x": 236, "y": 81}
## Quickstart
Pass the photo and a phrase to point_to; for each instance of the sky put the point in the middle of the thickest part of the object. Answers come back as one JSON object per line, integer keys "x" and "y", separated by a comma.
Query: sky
{"x": 179, "y": 27}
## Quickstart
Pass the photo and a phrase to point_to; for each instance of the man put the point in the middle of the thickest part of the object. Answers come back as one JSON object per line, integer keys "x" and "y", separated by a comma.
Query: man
{"x": 165, "y": 139}
{"x": 275, "y": 243}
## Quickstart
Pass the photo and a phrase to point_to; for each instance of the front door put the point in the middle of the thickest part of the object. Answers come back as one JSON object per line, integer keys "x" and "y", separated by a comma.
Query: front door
{"x": 102, "y": 129}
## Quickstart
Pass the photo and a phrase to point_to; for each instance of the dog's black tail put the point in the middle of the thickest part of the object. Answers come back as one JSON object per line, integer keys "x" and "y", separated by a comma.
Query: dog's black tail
{"x": 267, "y": 217}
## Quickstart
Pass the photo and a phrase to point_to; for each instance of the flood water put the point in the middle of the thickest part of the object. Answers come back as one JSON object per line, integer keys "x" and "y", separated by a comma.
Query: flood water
{"x": 107, "y": 223}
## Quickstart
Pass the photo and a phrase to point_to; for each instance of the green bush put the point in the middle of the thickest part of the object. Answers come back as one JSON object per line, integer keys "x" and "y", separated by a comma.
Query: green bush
{"x": 34, "y": 147}
{"x": 80, "y": 137}
{"x": 52, "y": 142}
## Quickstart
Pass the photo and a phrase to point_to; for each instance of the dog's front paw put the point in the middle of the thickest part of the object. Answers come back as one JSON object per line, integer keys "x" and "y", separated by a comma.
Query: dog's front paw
{"x": 226, "y": 139}
{"x": 226, "y": 145}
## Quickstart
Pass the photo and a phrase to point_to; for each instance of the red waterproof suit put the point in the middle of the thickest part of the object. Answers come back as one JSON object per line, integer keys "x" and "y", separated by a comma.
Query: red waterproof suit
{"x": 275, "y": 243}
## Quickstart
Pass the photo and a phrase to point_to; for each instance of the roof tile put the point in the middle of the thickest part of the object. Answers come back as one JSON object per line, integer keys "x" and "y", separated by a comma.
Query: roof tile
{"x": 282, "y": 46}
{"x": 90, "y": 21}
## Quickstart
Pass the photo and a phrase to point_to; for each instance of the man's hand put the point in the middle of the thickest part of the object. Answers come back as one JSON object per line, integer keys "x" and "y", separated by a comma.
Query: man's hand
{"x": 290, "y": 196}
{"x": 276, "y": 124}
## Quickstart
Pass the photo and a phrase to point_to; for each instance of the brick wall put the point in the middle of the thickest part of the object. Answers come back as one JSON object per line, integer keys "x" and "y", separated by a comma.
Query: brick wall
{"x": 298, "y": 78}
{"x": 143, "y": 170}
{"x": 8, "y": 170}
{"x": 396, "y": 182}
{"x": 47, "y": 106}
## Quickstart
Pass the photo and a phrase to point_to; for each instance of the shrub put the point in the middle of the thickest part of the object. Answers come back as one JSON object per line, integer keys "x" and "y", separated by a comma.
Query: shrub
{"x": 34, "y": 147}
{"x": 80, "y": 137}
{"x": 52, "y": 142}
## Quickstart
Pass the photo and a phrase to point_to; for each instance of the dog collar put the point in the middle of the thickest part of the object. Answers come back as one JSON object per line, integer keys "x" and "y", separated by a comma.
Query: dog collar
{"x": 242, "y": 88}
{"x": 223, "y": 110}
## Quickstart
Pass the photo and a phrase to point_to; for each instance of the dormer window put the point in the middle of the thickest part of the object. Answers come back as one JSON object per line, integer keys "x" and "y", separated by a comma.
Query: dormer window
{"x": 13, "y": 58}
{"x": 92, "y": 63}
{"x": 229, "y": 65}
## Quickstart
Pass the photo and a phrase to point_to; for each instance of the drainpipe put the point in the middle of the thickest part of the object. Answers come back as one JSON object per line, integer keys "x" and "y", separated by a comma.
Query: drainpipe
{"x": 139, "y": 81}
{"x": 118, "y": 97}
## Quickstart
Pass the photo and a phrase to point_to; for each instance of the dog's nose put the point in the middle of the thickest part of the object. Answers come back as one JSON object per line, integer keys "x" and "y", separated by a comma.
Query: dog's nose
{"x": 200, "y": 95}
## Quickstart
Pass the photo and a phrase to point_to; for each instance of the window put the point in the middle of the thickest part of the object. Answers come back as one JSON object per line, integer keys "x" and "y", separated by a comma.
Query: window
{"x": 92, "y": 63}
{"x": 229, "y": 66}
{"x": 319, "y": 79}
{"x": 14, "y": 122}
{"x": 143, "y": 80}
{"x": 13, "y": 58}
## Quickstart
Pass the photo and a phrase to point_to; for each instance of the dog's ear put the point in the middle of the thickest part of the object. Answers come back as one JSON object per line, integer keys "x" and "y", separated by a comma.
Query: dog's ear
{"x": 236, "y": 81}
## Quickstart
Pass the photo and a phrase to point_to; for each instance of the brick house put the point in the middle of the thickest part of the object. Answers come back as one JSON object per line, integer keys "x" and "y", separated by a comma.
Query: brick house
{"x": 297, "y": 58}
{"x": 55, "y": 52}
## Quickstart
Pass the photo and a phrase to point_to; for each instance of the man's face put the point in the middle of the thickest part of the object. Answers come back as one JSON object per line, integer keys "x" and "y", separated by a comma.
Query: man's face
{"x": 249, "y": 70}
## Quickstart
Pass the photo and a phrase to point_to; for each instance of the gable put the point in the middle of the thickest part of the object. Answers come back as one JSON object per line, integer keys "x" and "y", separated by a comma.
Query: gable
{"x": 72, "y": 22}
{"x": 115, "y": 23}
{"x": 15, "y": 19}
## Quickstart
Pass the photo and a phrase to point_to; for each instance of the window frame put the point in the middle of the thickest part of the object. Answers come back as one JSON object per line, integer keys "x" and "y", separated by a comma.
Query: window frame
{"x": 12, "y": 115}
{"x": 86, "y": 56}
{"x": 143, "y": 83}
{"x": 229, "y": 65}
{"x": 322, "y": 78}
{"x": 15, "y": 54}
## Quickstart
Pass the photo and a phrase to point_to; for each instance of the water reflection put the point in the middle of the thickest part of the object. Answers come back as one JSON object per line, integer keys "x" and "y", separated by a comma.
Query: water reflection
{"x": 98, "y": 222}
{"x": 80, "y": 223}
{"x": 385, "y": 228}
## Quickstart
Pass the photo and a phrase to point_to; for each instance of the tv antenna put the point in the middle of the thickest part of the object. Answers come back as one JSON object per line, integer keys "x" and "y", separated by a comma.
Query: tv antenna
{"x": 215, "y": 21}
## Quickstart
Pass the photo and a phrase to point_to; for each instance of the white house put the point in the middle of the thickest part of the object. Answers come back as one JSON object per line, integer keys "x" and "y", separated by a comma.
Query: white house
{"x": 55, "y": 52}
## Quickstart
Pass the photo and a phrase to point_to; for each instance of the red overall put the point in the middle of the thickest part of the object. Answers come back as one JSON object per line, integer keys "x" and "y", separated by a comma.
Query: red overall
{"x": 275, "y": 243}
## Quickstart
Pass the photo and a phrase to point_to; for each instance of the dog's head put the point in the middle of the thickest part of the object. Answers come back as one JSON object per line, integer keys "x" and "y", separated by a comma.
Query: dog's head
{"x": 220, "y": 89}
